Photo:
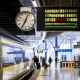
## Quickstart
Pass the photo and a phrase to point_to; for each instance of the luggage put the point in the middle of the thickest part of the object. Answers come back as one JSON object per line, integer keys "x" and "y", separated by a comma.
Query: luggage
{"x": 46, "y": 66}
{"x": 38, "y": 66}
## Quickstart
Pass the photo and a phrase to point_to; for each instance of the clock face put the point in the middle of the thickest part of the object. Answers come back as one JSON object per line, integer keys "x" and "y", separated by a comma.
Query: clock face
{"x": 25, "y": 20}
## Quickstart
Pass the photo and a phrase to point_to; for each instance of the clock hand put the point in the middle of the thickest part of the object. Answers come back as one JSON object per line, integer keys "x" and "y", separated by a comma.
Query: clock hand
{"x": 25, "y": 21}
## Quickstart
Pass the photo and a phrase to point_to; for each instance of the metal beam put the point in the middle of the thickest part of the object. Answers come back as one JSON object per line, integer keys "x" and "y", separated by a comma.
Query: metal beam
{"x": 63, "y": 39}
{"x": 56, "y": 45}
{"x": 46, "y": 49}
{"x": 51, "y": 42}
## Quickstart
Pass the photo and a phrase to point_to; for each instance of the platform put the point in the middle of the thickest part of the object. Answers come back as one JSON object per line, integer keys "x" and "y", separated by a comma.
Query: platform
{"x": 15, "y": 70}
{"x": 53, "y": 73}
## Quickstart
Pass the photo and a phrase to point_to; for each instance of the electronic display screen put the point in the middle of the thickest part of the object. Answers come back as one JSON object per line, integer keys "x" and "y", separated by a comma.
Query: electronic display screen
{"x": 57, "y": 19}
{"x": 39, "y": 51}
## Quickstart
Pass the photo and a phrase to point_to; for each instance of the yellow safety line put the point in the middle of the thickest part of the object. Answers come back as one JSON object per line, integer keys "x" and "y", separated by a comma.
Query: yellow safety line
{"x": 6, "y": 68}
{"x": 38, "y": 78}
{"x": 9, "y": 67}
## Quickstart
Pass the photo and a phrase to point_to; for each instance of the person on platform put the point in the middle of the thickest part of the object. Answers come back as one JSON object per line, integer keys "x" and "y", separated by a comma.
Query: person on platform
{"x": 56, "y": 60}
{"x": 36, "y": 60}
{"x": 44, "y": 64}
{"x": 50, "y": 61}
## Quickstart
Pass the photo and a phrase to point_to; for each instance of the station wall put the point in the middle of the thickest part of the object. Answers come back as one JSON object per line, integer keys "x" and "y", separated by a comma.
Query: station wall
{"x": 10, "y": 53}
{"x": 29, "y": 53}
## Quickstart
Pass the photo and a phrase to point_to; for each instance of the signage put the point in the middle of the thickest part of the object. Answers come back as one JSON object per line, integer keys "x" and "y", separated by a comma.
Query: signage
{"x": 57, "y": 19}
{"x": 65, "y": 50}
{"x": 78, "y": 43}
{"x": 78, "y": 46}
{"x": 39, "y": 51}
{"x": 74, "y": 46}
{"x": 15, "y": 52}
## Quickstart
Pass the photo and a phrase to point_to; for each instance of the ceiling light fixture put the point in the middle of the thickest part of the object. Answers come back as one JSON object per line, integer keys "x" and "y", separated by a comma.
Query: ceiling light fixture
{"x": 12, "y": 43}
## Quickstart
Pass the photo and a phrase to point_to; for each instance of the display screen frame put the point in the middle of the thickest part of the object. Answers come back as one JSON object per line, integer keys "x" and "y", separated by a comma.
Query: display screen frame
{"x": 41, "y": 19}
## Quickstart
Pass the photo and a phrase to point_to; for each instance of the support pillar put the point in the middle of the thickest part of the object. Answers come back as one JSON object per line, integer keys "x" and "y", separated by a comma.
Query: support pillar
{"x": 70, "y": 43}
{"x": 71, "y": 48}
{"x": 46, "y": 49}
{"x": 23, "y": 55}
{"x": 45, "y": 55}
{"x": 56, "y": 45}
{"x": 1, "y": 63}
{"x": 38, "y": 49}
{"x": 33, "y": 51}
{"x": 56, "y": 50}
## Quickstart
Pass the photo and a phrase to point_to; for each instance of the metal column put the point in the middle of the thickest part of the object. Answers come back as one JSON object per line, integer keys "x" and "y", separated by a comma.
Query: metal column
{"x": 1, "y": 63}
{"x": 56, "y": 45}
{"x": 38, "y": 49}
{"x": 34, "y": 51}
{"x": 71, "y": 43}
{"x": 46, "y": 49}
{"x": 23, "y": 55}
{"x": 71, "y": 47}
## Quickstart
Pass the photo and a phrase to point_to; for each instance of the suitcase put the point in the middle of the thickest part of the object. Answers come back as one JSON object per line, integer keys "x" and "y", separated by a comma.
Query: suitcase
{"x": 38, "y": 66}
{"x": 46, "y": 65}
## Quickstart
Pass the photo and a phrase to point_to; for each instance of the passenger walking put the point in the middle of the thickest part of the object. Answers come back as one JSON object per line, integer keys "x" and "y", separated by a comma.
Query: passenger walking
{"x": 44, "y": 64}
{"x": 50, "y": 61}
{"x": 36, "y": 60}
{"x": 56, "y": 60}
{"x": 41, "y": 58}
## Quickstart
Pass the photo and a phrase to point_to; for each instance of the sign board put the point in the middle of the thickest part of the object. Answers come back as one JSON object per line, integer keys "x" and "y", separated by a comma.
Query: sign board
{"x": 58, "y": 19}
{"x": 78, "y": 46}
{"x": 78, "y": 43}
{"x": 39, "y": 51}
{"x": 65, "y": 50}
{"x": 15, "y": 52}
{"x": 74, "y": 46}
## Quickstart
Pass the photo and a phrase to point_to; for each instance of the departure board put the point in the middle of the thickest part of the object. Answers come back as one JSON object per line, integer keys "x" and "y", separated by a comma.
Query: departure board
{"x": 61, "y": 18}
{"x": 58, "y": 19}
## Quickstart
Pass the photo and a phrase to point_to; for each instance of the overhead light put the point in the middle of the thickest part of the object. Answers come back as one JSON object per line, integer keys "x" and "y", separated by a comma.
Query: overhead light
{"x": 34, "y": 3}
{"x": 12, "y": 43}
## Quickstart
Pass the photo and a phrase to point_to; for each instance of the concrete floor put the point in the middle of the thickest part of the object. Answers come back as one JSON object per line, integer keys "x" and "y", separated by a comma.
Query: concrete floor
{"x": 58, "y": 73}
{"x": 51, "y": 73}
{"x": 12, "y": 71}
